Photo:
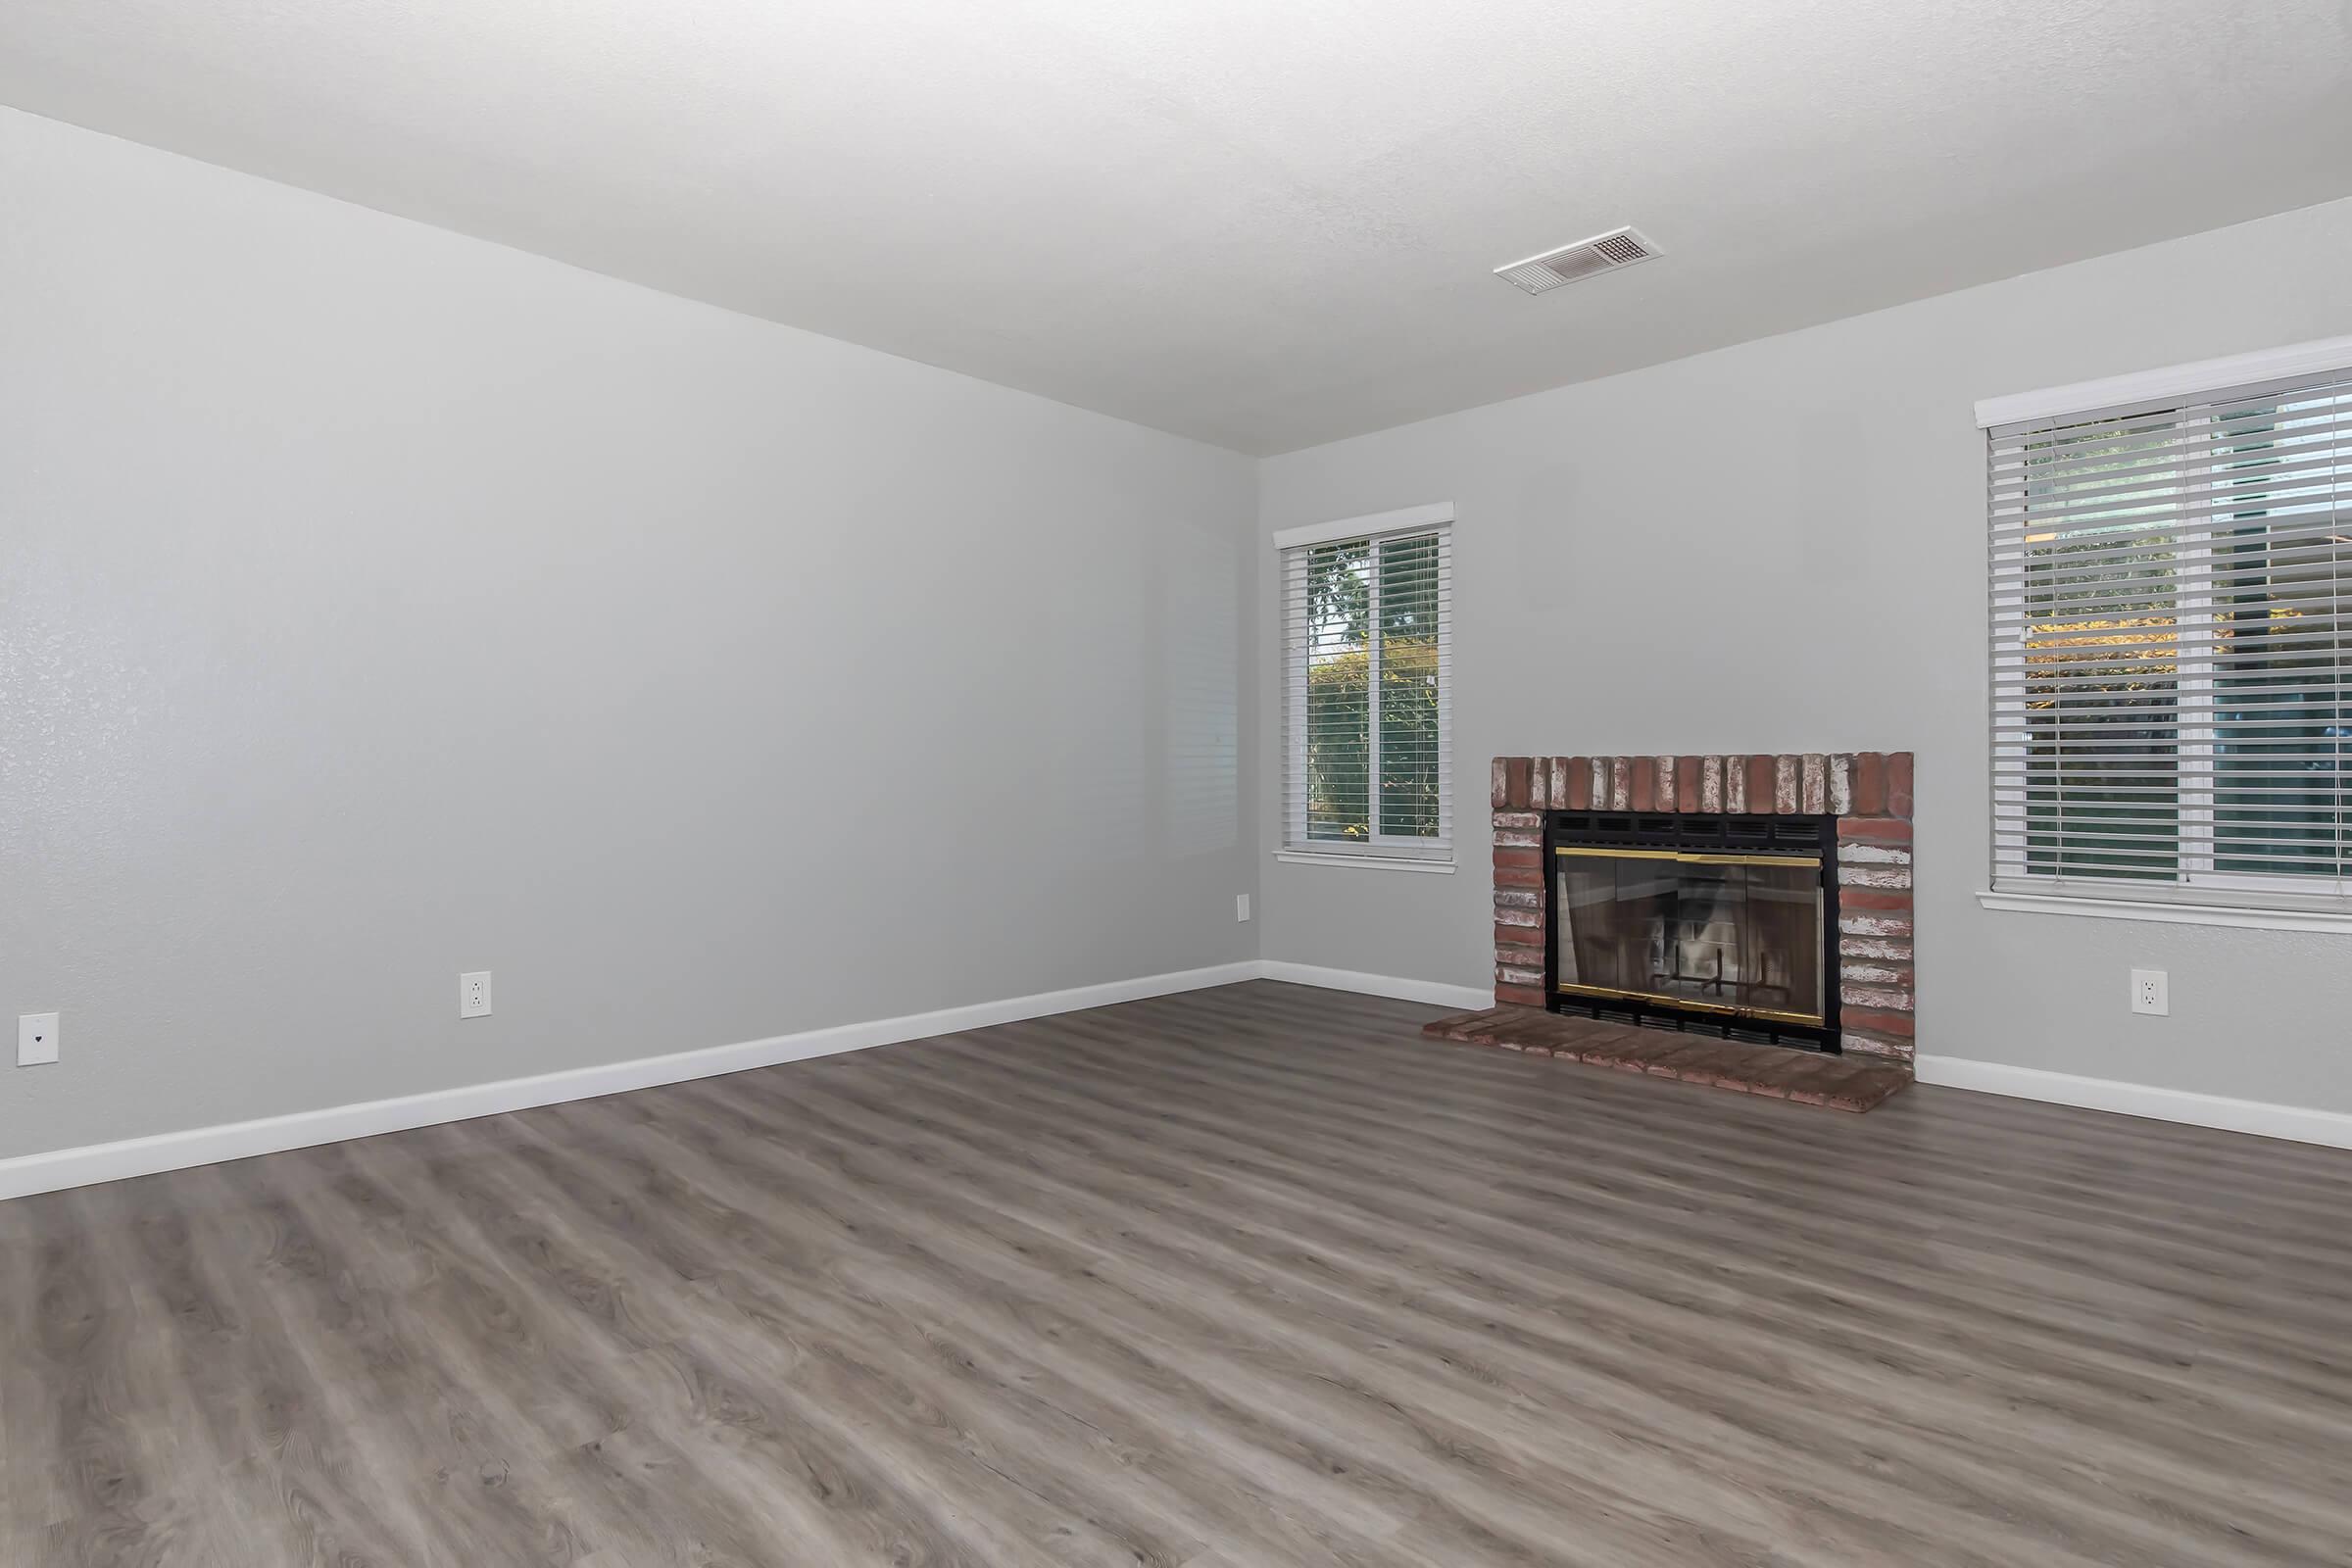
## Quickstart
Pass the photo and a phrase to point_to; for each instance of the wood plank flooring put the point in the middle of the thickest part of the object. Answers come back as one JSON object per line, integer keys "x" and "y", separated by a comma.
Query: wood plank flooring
{"x": 1242, "y": 1278}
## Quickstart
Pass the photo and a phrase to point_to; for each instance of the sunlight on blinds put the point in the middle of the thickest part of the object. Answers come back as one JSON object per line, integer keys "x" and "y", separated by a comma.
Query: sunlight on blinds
{"x": 2169, "y": 629}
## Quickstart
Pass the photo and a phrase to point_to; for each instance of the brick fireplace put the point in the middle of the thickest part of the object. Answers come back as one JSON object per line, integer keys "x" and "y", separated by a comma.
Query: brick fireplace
{"x": 1865, "y": 795}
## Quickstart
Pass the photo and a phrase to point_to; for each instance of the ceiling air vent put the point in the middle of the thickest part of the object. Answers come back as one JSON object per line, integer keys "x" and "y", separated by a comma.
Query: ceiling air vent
{"x": 1587, "y": 257}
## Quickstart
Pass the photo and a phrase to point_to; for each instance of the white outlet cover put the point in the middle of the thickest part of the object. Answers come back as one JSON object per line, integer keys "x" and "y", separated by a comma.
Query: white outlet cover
{"x": 2151, "y": 992}
{"x": 1241, "y": 906}
{"x": 37, "y": 1039}
{"x": 473, "y": 994}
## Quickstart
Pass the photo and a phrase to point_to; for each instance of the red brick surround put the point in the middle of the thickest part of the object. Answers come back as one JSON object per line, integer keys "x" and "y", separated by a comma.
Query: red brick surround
{"x": 1868, "y": 792}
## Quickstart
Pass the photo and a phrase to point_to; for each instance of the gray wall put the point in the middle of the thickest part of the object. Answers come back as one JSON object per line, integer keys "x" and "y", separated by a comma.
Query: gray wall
{"x": 377, "y": 604}
{"x": 1781, "y": 547}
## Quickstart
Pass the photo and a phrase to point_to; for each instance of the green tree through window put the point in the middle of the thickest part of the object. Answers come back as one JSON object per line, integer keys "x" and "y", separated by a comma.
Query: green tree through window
{"x": 1368, "y": 666}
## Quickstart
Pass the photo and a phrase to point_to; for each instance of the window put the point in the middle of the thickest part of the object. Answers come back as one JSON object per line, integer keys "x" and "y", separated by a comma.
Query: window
{"x": 2172, "y": 632}
{"x": 1366, "y": 755}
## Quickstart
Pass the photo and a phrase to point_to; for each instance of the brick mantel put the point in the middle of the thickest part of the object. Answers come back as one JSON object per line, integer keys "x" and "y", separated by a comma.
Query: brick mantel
{"x": 1869, "y": 793}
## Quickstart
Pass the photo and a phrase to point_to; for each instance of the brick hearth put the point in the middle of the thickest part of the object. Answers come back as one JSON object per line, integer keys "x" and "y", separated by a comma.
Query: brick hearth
{"x": 1842, "y": 1083}
{"x": 1868, "y": 792}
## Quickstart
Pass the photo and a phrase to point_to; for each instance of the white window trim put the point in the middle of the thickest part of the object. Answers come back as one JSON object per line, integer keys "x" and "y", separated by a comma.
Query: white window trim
{"x": 1434, "y": 514}
{"x": 2243, "y": 916}
{"x": 1381, "y": 852}
{"x": 1376, "y": 863}
{"x": 2033, "y": 895}
{"x": 2315, "y": 358}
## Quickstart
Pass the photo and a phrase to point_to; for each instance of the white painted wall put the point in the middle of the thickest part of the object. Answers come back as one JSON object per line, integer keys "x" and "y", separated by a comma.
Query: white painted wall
{"x": 1781, "y": 547}
{"x": 377, "y": 604}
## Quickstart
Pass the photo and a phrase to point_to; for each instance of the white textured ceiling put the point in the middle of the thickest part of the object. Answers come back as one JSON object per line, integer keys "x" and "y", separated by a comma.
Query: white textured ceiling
{"x": 1264, "y": 223}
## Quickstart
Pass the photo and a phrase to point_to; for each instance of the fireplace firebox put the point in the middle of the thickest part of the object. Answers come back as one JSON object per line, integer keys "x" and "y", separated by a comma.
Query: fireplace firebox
{"x": 1715, "y": 923}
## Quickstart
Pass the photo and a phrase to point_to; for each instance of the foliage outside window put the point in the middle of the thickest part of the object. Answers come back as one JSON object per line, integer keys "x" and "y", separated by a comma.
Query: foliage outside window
{"x": 1368, "y": 747}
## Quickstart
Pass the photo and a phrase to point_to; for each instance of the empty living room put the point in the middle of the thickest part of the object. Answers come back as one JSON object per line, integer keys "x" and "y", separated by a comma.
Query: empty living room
{"x": 1319, "y": 784}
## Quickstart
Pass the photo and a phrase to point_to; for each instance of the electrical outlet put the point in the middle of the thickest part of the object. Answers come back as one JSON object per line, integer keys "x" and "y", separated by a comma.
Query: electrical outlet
{"x": 2149, "y": 993}
{"x": 473, "y": 994}
{"x": 37, "y": 1039}
{"x": 1241, "y": 906}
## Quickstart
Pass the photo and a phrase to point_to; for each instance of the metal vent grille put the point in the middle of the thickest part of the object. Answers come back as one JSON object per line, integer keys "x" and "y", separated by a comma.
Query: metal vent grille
{"x": 1587, "y": 257}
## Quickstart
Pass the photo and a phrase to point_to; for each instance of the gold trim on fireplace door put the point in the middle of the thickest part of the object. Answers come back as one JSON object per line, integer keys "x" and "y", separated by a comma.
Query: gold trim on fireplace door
{"x": 1688, "y": 1002}
{"x": 1688, "y": 858}
{"x": 1693, "y": 1004}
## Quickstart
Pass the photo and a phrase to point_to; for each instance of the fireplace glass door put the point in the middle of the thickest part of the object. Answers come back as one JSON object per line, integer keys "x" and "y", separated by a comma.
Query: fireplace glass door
{"x": 1714, "y": 933}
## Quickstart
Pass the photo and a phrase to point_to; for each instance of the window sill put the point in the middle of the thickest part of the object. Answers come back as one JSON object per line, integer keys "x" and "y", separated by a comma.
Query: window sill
{"x": 2240, "y": 916}
{"x": 1377, "y": 863}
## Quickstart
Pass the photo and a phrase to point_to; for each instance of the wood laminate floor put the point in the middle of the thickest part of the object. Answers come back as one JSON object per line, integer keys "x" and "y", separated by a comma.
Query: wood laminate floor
{"x": 1236, "y": 1279}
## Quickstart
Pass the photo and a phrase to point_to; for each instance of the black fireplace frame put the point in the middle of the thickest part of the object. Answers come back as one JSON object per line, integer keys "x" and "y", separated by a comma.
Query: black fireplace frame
{"x": 1697, "y": 833}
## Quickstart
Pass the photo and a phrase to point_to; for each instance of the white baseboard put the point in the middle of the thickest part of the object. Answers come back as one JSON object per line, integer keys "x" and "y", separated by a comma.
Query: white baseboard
{"x": 60, "y": 1168}
{"x": 2331, "y": 1127}
{"x": 205, "y": 1145}
{"x": 1434, "y": 992}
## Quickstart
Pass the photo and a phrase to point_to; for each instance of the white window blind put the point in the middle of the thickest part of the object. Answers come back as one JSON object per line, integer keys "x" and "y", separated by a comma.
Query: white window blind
{"x": 2172, "y": 629}
{"x": 1368, "y": 746}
